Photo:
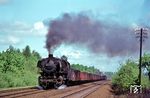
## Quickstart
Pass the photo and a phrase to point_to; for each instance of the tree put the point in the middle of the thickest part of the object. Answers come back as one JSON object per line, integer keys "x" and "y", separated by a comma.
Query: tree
{"x": 127, "y": 75}
{"x": 109, "y": 74}
{"x": 11, "y": 48}
{"x": 146, "y": 63}
{"x": 16, "y": 70}
{"x": 11, "y": 60}
{"x": 27, "y": 51}
{"x": 36, "y": 54}
{"x": 83, "y": 68}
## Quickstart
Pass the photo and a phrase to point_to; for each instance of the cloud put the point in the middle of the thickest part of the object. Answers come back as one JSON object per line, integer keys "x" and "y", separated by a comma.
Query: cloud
{"x": 69, "y": 51}
{"x": 9, "y": 40}
{"x": 81, "y": 55}
{"x": 39, "y": 29}
{"x": 23, "y": 29}
{"x": 3, "y": 2}
{"x": 38, "y": 25}
{"x": 14, "y": 33}
{"x": 13, "y": 40}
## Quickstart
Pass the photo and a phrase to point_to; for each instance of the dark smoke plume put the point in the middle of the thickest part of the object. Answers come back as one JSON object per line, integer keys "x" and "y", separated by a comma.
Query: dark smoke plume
{"x": 99, "y": 36}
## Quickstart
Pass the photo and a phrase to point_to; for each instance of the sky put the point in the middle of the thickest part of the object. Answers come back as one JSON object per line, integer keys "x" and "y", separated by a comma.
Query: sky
{"x": 22, "y": 22}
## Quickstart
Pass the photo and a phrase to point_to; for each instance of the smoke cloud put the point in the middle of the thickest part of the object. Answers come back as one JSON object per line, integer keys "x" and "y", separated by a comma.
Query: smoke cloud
{"x": 99, "y": 36}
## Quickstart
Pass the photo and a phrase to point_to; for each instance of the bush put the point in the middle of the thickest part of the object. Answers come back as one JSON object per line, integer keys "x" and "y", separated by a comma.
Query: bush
{"x": 126, "y": 76}
{"x": 17, "y": 69}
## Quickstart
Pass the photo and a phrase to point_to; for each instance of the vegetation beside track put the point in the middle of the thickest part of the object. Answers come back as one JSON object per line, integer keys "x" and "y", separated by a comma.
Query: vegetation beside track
{"x": 83, "y": 68}
{"x": 128, "y": 75}
{"x": 18, "y": 67}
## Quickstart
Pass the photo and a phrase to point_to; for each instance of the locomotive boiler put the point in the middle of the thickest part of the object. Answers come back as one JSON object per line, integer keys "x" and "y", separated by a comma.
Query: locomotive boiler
{"x": 55, "y": 72}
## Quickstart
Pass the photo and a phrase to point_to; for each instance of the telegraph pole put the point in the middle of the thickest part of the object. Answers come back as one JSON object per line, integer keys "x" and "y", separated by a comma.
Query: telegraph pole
{"x": 141, "y": 35}
{"x": 140, "y": 60}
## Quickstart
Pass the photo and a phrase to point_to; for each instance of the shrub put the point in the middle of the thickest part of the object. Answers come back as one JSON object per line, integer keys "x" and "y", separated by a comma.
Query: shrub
{"x": 17, "y": 69}
{"x": 127, "y": 75}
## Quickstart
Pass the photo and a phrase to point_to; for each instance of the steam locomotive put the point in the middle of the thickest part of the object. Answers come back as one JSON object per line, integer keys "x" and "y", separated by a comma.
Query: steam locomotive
{"x": 55, "y": 72}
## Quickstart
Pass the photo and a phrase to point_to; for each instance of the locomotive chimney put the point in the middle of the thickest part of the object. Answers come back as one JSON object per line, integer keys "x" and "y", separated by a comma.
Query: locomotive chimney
{"x": 50, "y": 55}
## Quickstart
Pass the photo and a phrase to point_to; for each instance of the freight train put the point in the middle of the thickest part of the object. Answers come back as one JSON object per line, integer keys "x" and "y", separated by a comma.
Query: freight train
{"x": 55, "y": 72}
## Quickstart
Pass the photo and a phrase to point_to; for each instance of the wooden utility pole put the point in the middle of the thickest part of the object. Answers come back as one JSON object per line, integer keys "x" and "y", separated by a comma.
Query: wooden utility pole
{"x": 140, "y": 60}
{"x": 141, "y": 35}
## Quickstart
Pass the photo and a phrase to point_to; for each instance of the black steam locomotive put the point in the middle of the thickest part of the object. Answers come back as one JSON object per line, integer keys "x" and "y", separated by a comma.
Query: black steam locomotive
{"x": 55, "y": 72}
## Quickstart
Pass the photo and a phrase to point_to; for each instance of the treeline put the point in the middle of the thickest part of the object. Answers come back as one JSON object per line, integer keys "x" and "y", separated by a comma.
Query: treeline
{"x": 128, "y": 73}
{"x": 18, "y": 67}
{"x": 90, "y": 69}
{"x": 109, "y": 74}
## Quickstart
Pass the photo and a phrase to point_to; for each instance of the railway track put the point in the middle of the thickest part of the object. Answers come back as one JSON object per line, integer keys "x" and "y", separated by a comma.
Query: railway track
{"x": 81, "y": 92}
{"x": 78, "y": 91}
{"x": 13, "y": 93}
